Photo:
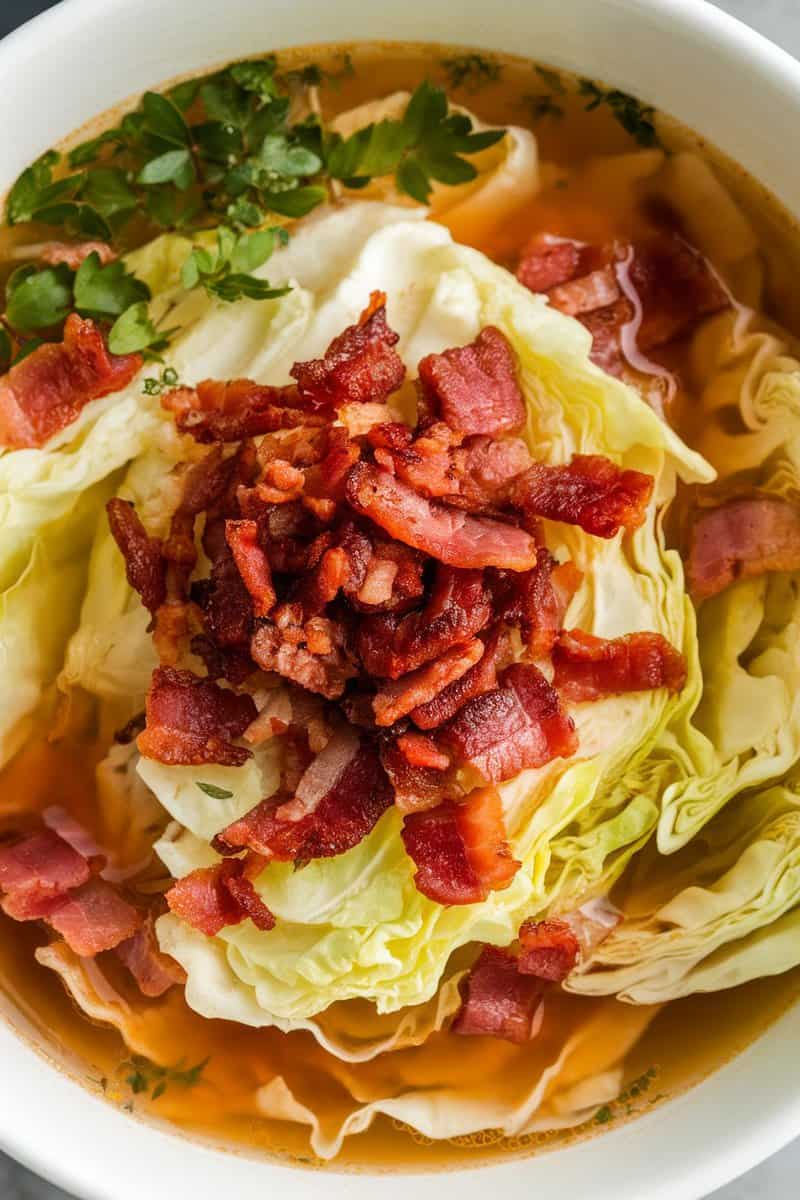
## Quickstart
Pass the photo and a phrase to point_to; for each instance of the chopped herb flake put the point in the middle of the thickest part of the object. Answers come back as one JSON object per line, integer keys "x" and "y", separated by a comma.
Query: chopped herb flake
{"x": 216, "y": 793}
{"x": 471, "y": 71}
{"x": 636, "y": 118}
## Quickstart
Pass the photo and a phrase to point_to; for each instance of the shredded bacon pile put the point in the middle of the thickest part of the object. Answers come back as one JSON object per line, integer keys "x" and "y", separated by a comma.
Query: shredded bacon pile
{"x": 380, "y": 574}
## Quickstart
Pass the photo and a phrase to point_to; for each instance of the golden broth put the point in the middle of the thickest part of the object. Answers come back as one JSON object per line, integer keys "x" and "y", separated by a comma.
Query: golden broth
{"x": 598, "y": 205}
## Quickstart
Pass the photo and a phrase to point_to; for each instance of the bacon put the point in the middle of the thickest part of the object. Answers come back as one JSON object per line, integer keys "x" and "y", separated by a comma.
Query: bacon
{"x": 37, "y": 872}
{"x": 606, "y": 326}
{"x": 475, "y": 387}
{"x": 589, "y": 668}
{"x": 322, "y": 667}
{"x": 458, "y": 608}
{"x": 226, "y": 603}
{"x": 211, "y": 898}
{"x": 451, "y": 536}
{"x": 370, "y": 560}
{"x": 233, "y": 664}
{"x": 45, "y": 392}
{"x": 360, "y": 365}
{"x": 154, "y": 972}
{"x": 145, "y": 567}
{"x": 597, "y": 290}
{"x": 488, "y": 469}
{"x": 252, "y": 564}
{"x": 93, "y": 918}
{"x": 192, "y": 721}
{"x": 480, "y": 678}
{"x": 322, "y": 776}
{"x": 421, "y": 751}
{"x": 536, "y": 601}
{"x": 228, "y": 412}
{"x": 341, "y": 819}
{"x": 426, "y": 463}
{"x": 416, "y": 786}
{"x": 548, "y": 949}
{"x": 460, "y": 849}
{"x": 497, "y": 1001}
{"x": 72, "y": 254}
{"x": 591, "y": 492}
{"x": 549, "y": 261}
{"x": 205, "y": 482}
{"x": 400, "y": 697}
{"x": 322, "y": 582}
{"x": 740, "y": 538}
{"x": 676, "y": 288}
{"x": 517, "y": 726}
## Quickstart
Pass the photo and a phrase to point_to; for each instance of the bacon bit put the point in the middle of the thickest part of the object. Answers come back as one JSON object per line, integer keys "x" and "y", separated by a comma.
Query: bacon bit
{"x": 359, "y": 419}
{"x": 498, "y": 1001}
{"x": 479, "y": 679}
{"x": 226, "y": 603}
{"x": 144, "y": 562}
{"x": 45, "y": 392}
{"x": 282, "y": 651}
{"x": 591, "y": 492}
{"x": 426, "y": 463}
{"x": 606, "y": 326}
{"x": 676, "y": 289}
{"x": 154, "y": 972}
{"x": 360, "y": 365}
{"x": 598, "y": 289}
{"x": 421, "y": 751}
{"x": 416, "y": 787}
{"x": 488, "y": 469}
{"x": 378, "y": 582}
{"x": 171, "y": 629}
{"x": 445, "y": 533}
{"x": 475, "y": 387}
{"x": 740, "y": 538}
{"x": 210, "y": 898}
{"x": 520, "y": 725}
{"x": 536, "y": 601}
{"x": 460, "y": 849}
{"x": 340, "y": 821}
{"x": 93, "y": 918}
{"x": 273, "y": 719}
{"x": 549, "y": 261}
{"x": 458, "y": 608}
{"x": 252, "y": 564}
{"x": 37, "y": 872}
{"x": 227, "y": 412}
{"x": 192, "y": 721}
{"x": 233, "y": 664}
{"x": 321, "y": 776}
{"x": 548, "y": 950}
{"x": 589, "y": 668}
{"x": 322, "y": 582}
{"x": 397, "y": 699}
{"x": 72, "y": 254}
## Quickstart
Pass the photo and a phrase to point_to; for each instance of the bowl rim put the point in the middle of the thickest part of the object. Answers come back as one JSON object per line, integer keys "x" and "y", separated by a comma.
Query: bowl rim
{"x": 122, "y": 1146}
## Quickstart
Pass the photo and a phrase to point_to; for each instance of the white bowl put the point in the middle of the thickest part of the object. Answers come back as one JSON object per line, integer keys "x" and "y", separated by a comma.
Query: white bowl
{"x": 685, "y": 57}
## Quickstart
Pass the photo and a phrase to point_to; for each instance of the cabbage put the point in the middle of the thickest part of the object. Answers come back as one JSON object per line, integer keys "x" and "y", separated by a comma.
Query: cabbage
{"x": 722, "y": 912}
{"x": 355, "y": 927}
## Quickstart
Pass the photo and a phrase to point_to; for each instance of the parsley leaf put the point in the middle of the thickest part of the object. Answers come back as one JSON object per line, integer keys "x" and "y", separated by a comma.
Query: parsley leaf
{"x": 216, "y": 793}
{"x": 106, "y": 291}
{"x": 635, "y": 117}
{"x": 38, "y": 299}
{"x": 154, "y": 386}
{"x": 147, "y": 1076}
{"x": 164, "y": 119}
{"x": 133, "y": 331}
{"x": 471, "y": 71}
{"x": 226, "y": 273}
{"x": 174, "y": 166}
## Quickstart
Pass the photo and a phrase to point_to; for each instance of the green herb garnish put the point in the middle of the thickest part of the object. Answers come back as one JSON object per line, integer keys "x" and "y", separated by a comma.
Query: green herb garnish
{"x": 603, "y": 1115}
{"x": 542, "y": 105}
{"x": 146, "y": 1076}
{"x": 216, "y": 793}
{"x": 471, "y": 71}
{"x": 155, "y": 385}
{"x": 551, "y": 79}
{"x": 226, "y": 273}
{"x": 635, "y": 117}
{"x": 313, "y": 75}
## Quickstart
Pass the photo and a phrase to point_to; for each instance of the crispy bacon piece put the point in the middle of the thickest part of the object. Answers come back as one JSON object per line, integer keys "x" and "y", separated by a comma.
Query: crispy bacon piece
{"x": 519, "y": 725}
{"x": 154, "y": 971}
{"x": 226, "y": 604}
{"x": 227, "y": 412}
{"x": 742, "y": 537}
{"x": 588, "y": 667}
{"x": 480, "y": 678}
{"x": 192, "y": 721}
{"x": 536, "y": 601}
{"x": 401, "y": 696}
{"x": 93, "y": 918}
{"x": 341, "y": 819}
{"x": 382, "y": 575}
{"x": 421, "y": 751}
{"x": 45, "y": 392}
{"x": 498, "y": 1001}
{"x": 416, "y": 786}
{"x": 460, "y": 849}
{"x": 548, "y": 949}
{"x": 451, "y": 536}
{"x": 145, "y": 566}
{"x": 360, "y": 365}
{"x": 72, "y": 254}
{"x": 37, "y": 872}
{"x": 475, "y": 387}
{"x": 252, "y": 564}
{"x": 590, "y": 491}
{"x": 322, "y": 775}
{"x": 458, "y": 608}
{"x": 549, "y": 261}
{"x": 488, "y": 469}
{"x": 313, "y": 655}
{"x": 210, "y": 898}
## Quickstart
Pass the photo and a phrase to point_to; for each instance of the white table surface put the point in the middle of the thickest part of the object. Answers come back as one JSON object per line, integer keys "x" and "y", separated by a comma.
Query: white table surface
{"x": 779, "y": 1178}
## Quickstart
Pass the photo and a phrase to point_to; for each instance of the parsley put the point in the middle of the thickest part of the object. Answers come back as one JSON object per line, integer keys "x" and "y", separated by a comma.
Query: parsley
{"x": 133, "y": 331}
{"x": 38, "y": 299}
{"x": 542, "y": 105}
{"x": 471, "y": 71}
{"x": 603, "y": 1115}
{"x": 626, "y": 1098}
{"x": 313, "y": 75}
{"x": 635, "y": 117}
{"x": 146, "y": 1076}
{"x": 427, "y": 143}
{"x": 551, "y": 79}
{"x": 106, "y": 291}
{"x": 226, "y": 274}
{"x": 216, "y": 793}
{"x": 154, "y": 386}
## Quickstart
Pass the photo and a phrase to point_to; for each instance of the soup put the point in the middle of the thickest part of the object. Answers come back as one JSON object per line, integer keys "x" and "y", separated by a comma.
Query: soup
{"x": 531, "y": 822}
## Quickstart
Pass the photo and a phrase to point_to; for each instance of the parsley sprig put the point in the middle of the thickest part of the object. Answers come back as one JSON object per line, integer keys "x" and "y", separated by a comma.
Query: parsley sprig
{"x": 226, "y": 272}
{"x": 636, "y": 118}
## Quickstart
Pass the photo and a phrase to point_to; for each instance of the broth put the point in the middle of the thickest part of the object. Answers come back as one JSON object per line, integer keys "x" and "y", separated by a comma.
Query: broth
{"x": 221, "y": 1106}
